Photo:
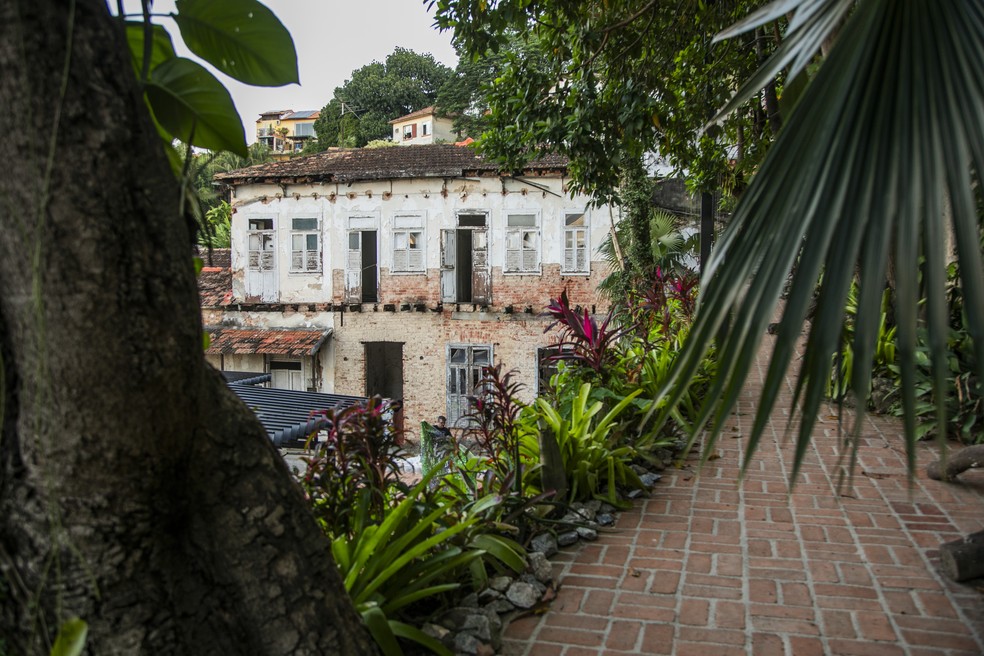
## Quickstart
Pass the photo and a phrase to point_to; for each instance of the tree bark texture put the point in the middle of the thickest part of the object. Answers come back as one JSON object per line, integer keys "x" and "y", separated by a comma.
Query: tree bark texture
{"x": 136, "y": 491}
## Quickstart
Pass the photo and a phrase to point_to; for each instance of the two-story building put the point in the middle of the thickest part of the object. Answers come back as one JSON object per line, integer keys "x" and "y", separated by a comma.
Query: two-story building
{"x": 423, "y": 127}
{"x": 403, "y": 271}
{"x": 285, "y": 131}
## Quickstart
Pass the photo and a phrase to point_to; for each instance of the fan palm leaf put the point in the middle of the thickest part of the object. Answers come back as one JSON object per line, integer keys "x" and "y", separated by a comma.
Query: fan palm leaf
{"x": 890, "y": 127}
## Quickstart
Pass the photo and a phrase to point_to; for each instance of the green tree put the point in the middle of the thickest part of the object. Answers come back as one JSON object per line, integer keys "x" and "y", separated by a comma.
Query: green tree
{"x": 136, "y": 491}
{"x": 205, "y": 165}
{"x": 606, "y": 82}
{"x": 361, "y": 108}
{"x": 336, "y": 126}
{"x": 464, "y": 97}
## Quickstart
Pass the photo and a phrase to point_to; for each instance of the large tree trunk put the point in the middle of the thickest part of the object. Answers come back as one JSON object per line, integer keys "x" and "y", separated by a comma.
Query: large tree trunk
{"x": 136, "y": 492}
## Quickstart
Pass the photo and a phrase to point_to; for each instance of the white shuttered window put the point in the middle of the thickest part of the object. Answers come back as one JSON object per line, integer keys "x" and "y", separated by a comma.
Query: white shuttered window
{"x": 408, "y": 244}
{"x": 305, "y": 246}
{"x": 576, "y": 243}
{"x": 522, "y": 244}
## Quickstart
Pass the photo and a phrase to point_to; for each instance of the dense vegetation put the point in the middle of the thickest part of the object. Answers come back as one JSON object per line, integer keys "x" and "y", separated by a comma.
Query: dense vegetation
{"x": 405, "y": 553}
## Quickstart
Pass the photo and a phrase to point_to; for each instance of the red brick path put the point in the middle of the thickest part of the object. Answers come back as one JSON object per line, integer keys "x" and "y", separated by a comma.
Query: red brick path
{"x": 711, "y": 567}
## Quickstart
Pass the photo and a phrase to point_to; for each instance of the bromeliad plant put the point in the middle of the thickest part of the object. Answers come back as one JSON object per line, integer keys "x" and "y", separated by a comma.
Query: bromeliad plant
{"x": 596, "y": 456}
{"x": 400, "y": 551}
{"x": 419, "y": 552}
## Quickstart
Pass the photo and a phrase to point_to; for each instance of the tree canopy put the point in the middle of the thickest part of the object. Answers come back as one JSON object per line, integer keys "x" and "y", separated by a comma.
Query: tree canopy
{"x": 361, "y": 108}
{"x": 605, "y": 83}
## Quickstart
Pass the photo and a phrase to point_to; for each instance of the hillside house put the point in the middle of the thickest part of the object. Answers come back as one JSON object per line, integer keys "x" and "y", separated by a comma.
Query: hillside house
{"x": 423, "y": 127}
{"x": 285, "y": 131}
{"x": 408, "y": 270}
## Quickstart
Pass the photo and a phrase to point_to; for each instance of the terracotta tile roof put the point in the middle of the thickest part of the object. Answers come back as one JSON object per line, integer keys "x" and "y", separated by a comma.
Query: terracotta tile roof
{"x": 354, "y": 164}
{"x": 215, "y": 287}
{"x": 274, "y": 341}
{"x": 426, "y": 111}
{"x": 215, "y": 280}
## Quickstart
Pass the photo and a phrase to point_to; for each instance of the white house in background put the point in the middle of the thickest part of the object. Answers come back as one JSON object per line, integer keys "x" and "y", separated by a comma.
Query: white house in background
{"x": 423, "y": 127}
{"x": 403, "y": 271}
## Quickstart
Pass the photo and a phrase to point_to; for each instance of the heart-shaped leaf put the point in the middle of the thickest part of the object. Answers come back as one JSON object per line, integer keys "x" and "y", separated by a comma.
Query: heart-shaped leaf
{"x": 191, "y": 104}
{"x": 161, "y": 48}
{"x": 241, "y": 38}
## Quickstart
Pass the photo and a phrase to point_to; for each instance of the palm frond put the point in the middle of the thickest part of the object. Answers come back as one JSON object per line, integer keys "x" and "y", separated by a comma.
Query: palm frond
{"x": 890, "y": 126}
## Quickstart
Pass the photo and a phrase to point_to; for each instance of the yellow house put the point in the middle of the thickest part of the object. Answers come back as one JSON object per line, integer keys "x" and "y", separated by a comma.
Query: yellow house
{"x": 285, "y": 131}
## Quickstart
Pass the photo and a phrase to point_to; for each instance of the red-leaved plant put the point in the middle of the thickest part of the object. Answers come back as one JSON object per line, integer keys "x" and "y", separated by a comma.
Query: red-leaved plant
{"x": 357, "y": 464}
{"x": 582, "y": 340}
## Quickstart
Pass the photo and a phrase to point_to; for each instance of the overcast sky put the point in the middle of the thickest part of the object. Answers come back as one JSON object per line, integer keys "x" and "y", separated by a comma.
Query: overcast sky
{"x": 333, "y": 38}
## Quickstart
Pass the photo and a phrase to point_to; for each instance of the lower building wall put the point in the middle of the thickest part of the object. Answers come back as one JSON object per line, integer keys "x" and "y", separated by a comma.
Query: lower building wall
{"x": 508, "y": 289}
{"x": 425, "y": 337}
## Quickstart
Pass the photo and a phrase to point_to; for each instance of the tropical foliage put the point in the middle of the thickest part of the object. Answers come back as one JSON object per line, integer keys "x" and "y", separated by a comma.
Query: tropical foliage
{"x": 887, "y": 135}
{"x": 965, "y": 412}
{"x": 606, "y": 82}
{"x": 242, "y": 39}
{"x": 400, "y": 551}
{"x": 404, "y": 553}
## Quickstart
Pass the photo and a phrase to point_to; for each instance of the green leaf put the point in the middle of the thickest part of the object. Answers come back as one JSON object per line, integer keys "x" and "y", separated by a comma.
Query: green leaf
{"x": 891, "y": 122}
{"x": 161, "y": 47}
{"x": 241, "y": 38}
{"x": 416, "y": 635}
{"x": 505, "y": 550}
{"x": 194, "y": 107}
{"x": 71, "y": 638}
{"x": 379, "y": 628}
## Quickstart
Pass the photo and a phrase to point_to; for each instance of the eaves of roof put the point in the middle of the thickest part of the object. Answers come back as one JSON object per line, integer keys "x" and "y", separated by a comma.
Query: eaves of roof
{"x": 425, "y": 111}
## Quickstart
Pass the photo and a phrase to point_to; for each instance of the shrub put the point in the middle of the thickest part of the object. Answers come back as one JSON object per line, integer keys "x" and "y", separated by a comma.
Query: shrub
{"x": 359, "y": 460}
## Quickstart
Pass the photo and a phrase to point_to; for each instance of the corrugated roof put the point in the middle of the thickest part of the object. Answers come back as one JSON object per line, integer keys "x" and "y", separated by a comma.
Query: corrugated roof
{"x": 246, "y": 377}
{"x": 426, "y": 111}
{"x": 273, "y": 341}
{"x": 287, "y": 414}
{"x": 354, "y": 164}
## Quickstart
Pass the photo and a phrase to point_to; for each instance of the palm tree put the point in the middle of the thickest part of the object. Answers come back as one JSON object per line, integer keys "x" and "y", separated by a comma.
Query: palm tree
{"x": 887, "y": 134}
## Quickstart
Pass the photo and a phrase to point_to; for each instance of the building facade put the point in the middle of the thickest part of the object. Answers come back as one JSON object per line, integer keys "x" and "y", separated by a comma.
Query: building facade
{"x": 285, "y": 131}
{"x": 418, "y": 267}
{"x": 423, "y": 127}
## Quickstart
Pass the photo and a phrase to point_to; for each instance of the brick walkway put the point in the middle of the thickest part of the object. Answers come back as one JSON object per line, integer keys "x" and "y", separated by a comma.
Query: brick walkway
{"x": 711, "y": 567}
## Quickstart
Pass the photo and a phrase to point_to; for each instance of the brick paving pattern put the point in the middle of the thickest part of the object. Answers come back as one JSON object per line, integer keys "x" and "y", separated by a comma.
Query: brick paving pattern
{"x": 708, "y": 566}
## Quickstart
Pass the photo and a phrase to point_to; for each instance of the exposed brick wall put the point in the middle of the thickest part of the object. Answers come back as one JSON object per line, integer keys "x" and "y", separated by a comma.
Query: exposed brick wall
{"x": 518, "y": 291}
{"x": 537, "y": 290}
{"x": 425, "y": 337}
